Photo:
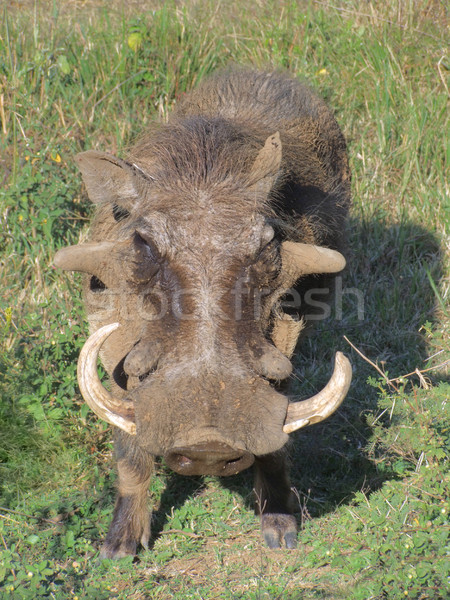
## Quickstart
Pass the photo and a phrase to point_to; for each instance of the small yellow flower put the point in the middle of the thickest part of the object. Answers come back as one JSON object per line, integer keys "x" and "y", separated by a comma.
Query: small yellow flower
{"x": 322, "y": 72}
{"x": 135, "y": 41}
{"x": 20, "y": 217}
{"x": 55, "y": 157}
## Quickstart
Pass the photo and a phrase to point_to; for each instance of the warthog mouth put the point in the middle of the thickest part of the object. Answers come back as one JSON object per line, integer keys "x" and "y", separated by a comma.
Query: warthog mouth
{"x": 121, "y": 413}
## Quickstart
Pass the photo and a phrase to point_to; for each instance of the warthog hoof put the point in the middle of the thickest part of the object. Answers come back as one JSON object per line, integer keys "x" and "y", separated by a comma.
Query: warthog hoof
{"x": 277, "y": 528}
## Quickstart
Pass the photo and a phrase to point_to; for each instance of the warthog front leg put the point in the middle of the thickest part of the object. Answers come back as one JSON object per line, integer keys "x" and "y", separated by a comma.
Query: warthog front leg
{"x": 273, "y": 500}
{"x": 131, "y": 520}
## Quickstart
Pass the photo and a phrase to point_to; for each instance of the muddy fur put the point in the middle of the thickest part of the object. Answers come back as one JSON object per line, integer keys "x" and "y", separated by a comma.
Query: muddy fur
{"x": 197, "y": 212}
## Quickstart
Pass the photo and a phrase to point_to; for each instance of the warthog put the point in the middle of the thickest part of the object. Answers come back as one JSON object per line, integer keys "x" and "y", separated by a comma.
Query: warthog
{"x": 198, "y": 235}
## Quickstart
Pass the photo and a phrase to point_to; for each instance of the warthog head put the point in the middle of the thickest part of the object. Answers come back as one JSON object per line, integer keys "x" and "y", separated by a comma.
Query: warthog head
{"x": 185, "y": 270}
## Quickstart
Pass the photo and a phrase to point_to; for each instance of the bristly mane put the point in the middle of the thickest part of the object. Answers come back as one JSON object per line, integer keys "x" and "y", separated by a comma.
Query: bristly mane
{"x": 202, "y": 155}
{"x": 199, "y": 151}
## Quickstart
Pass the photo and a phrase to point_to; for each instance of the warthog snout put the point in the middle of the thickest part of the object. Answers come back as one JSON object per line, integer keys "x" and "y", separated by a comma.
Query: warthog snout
{"x": 208, "y": 458}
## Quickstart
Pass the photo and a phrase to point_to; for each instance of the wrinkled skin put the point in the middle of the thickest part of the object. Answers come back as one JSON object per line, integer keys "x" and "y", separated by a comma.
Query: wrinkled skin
{"x": 197, "y": 213}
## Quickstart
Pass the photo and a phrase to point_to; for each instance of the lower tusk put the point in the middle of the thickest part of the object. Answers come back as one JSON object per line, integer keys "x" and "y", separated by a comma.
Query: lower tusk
{"x": 294, "y": 425}
{"x": 112, "y": 410}
{"x": 323, "y": 404}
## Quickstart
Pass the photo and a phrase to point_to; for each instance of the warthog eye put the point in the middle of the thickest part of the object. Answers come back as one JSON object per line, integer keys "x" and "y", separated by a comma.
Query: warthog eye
{"x": 268, "y": 263}
{"x": 120, "y": 213}
{"x": 147, "y": 259}
{"x": 146, "y": 247}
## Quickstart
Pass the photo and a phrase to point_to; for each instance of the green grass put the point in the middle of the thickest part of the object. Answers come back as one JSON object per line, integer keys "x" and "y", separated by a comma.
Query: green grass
{"x": 372, "y": 481}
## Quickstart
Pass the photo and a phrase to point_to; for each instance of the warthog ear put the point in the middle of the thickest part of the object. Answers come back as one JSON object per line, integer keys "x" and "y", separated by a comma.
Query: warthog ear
{"x": 111, "y": 179}
{"x": 267, "y": 164}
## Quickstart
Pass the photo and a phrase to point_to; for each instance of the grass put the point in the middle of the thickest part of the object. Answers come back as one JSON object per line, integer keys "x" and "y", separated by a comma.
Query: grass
{"x": 372, "y": 481}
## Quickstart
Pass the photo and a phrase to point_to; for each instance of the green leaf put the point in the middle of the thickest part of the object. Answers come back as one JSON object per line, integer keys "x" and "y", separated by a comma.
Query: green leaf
{"x": 63, "y": 64}
{"x": 69, "y": 539}
{"x": 424, "y": 570}
{"x": 420, "y": 540}
{"x": 33, "y": 539}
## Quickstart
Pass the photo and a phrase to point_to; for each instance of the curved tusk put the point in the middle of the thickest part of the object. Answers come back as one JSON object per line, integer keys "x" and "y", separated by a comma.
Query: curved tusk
{"x": 323, "y": 404}
{"x": 116, "y": 412}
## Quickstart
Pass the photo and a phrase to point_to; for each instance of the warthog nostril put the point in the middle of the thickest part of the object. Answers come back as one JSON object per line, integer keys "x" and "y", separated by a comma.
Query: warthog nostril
{"x": 208, "y": 458}
{"x": 183, "y": 461}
